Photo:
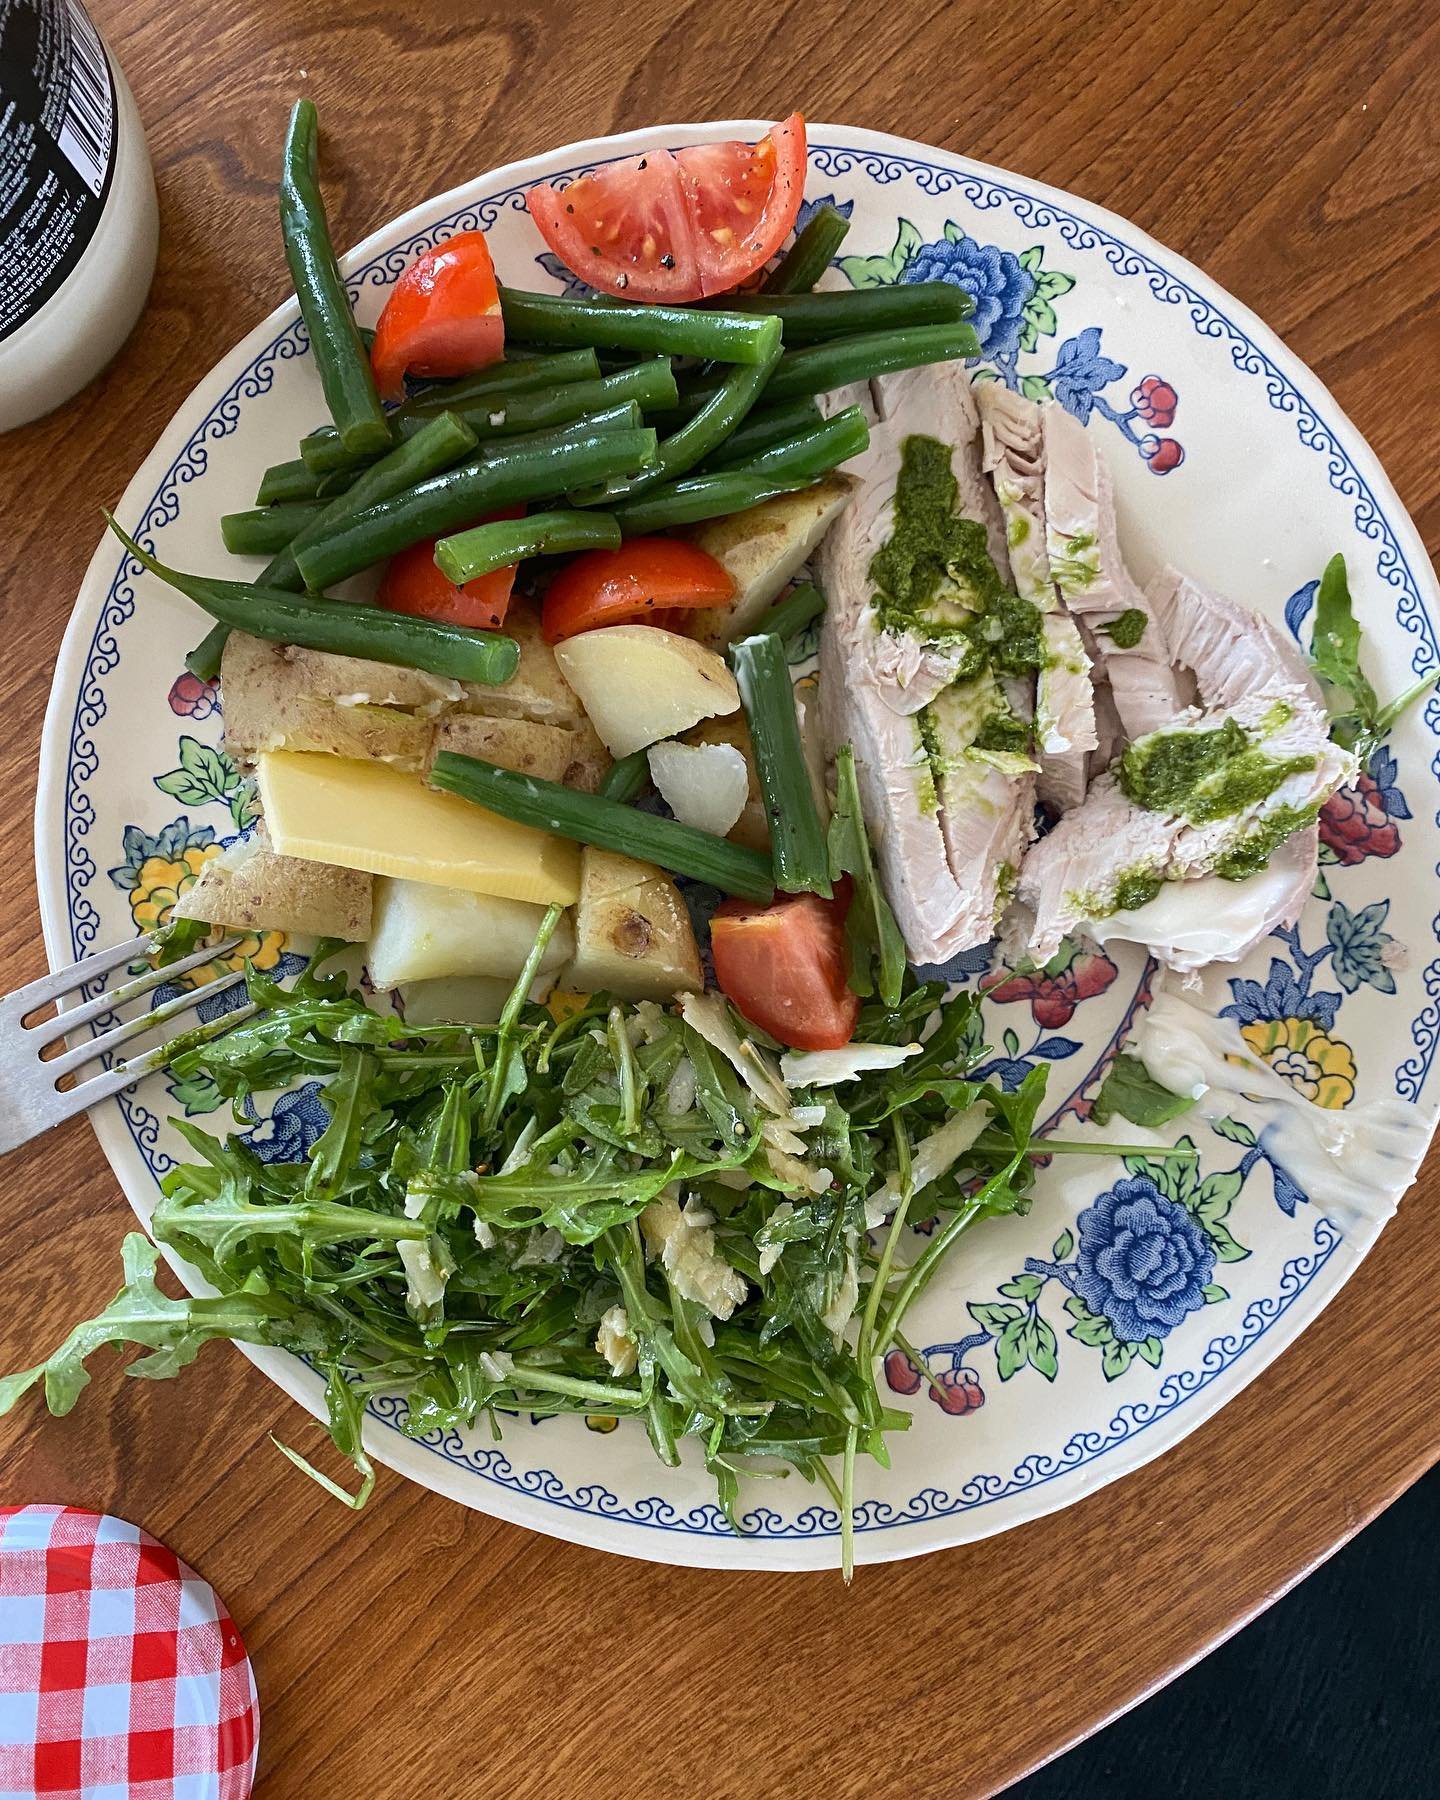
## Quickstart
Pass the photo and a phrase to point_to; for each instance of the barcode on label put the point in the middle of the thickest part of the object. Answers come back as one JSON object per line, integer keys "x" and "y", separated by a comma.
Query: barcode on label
{"x": 87, "y": 131}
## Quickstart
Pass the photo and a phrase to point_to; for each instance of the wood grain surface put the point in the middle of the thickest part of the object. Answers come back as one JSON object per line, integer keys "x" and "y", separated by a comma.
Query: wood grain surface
{"x": 1289, "y": 148}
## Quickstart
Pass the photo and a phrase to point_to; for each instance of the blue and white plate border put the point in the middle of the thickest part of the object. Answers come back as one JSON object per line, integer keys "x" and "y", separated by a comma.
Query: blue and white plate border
{"x": 655, "y": 1529}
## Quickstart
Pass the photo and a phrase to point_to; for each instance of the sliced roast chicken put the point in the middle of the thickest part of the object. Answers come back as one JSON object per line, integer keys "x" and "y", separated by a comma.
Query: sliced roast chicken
{"x": 949, "y": 818}
{"x": 1199, "y": 875}
{"x": 1083, "y": 542}
{"x": 1013, "y": 455}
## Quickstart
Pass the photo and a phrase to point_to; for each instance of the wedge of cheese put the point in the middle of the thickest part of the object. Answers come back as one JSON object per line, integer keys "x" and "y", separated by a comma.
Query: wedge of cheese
{"x": 370, "y": 816}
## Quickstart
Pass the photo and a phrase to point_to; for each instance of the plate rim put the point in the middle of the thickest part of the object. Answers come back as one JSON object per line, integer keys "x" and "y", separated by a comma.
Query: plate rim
{"x": 641, "y": 1540}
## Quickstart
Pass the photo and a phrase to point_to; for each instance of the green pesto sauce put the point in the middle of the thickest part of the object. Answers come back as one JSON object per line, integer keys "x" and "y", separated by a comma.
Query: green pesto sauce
{"x": 1136, "y": 888}
{"x": 1003, "y": 731}
{"x": 1254, "y": 851}
{"x": 1202, "y": 776}
{"x": 934, "y": 762}
{"x": 934, "y": 574}
{"x": 1126, "y": 631}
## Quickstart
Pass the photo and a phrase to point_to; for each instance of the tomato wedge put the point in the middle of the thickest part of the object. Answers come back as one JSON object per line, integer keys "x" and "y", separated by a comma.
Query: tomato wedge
{"x": 413, "y": 584}
{"x": 636, "y": 584}
{"x": 442, "y": 317}
{"x": 783, "y": 967}
{"x": 677, "y": 227}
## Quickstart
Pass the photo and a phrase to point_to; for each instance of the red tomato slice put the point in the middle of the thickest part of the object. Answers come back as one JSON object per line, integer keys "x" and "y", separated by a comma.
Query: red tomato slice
{"x": 783, "y": 967}
{"x": 442, "y": 317}
{"x": 623, "y": 229}
{"x": 413, "y": 584}
{"x": 635, "y": 584}
{"x": 743, "y": 199}
{"x": 663, "y": 227}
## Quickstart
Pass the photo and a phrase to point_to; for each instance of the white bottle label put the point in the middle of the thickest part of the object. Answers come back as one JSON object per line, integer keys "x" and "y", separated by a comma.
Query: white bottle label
{"x": 57, "y": 148}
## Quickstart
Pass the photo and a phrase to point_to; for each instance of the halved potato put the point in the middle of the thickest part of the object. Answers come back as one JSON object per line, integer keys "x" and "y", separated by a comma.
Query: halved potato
{"x": 537, "y": 690}
{"x": 253, "y": 888}
{"x": 752, "y": 828}
{"x": 357, "y": 681}
{"x": 762, "y": 549}
{"x": 270, "y": 704}
{"x": 633, "y": 936}
{"x": 640, "y": 684}
{"x": 422, "y": 933}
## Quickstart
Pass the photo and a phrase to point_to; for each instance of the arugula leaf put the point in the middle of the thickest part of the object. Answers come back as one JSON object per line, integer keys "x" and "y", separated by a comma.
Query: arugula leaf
{"x": 1131, "y": 1092}
{"x": 1358, "y": 720}
{"x": 172, "y": 1330}
{"x": 877, "y": 950}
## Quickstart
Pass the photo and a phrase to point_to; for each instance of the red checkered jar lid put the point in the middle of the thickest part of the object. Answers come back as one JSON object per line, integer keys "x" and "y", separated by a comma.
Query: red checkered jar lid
{"x": 122, "y": 1676}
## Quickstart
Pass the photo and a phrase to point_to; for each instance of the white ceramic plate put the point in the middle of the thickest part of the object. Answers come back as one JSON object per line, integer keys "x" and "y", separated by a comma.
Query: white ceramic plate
{"x": 1230, "y": 459}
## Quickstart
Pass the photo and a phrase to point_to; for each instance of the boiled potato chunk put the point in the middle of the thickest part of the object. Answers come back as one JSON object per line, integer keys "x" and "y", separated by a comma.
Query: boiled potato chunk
{"x": 518, "y": 744}
{"x": 422, "y": 933}
{"x": 537, "y": 690}
{"x": 639, "y": 684}
{"x": 633, "y": 936}
{"x": 249, "y": 886}
{"x": 279, "y": 698}
{"x": 459, "y": 1000}
{"x": 762, "y": 550}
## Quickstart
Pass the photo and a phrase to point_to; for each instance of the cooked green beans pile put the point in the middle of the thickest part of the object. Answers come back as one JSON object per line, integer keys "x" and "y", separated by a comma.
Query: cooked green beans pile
{"x": 610, "y": 418}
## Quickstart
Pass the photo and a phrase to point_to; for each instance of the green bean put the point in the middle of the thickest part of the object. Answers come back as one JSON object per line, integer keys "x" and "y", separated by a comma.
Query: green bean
{"x": 323, "y": 451}
{"x": 333, "y": 625}
{"x": 267, "y": 528}
{"x": 797, "y": 838}
{"x": 765, "y": 426}
{"x": 819, "y": 368}
{"x": 810, "y": 255}
{"x": 621, "y": 325}
{"x": 624, "y": 417}
{"x": 816, "y": 318}
{"x": 696, "y": 498}
{"x": 623, "y": 780}
{"x": 324, "y": 305}
{"x": 649, "y": 384}
{"x": 443, "y": 442}
{"x": 593, "y": 819}
{"x": 450, "y": 501}
{"x": 707, "y": 430}
{"x": 788, "y": 617}
{"x": 501, "y": 542}
{"x": 287, "y": 481}
{"x": 439, "y": 444}
{"x": 813, "y": 452}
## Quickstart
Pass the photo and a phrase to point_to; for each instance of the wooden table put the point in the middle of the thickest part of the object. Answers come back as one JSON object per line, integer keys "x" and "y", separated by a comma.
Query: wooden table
{"x": 421, "y": 1649}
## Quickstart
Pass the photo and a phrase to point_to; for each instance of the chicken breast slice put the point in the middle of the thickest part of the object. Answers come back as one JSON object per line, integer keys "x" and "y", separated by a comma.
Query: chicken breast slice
{"x": 987, "y": 806}
{"x": 1078, "y": 877}
{"x": 1229, "y": 648}
{"x": 1012, "y": 433}
{"x": 907, "y": 669}
{"x": 899, "y": 800}
{"x": 1086, "y": 565}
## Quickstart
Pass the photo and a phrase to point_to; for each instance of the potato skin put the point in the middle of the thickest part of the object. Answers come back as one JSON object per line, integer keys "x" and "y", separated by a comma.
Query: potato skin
{"x": 251, "y": 887}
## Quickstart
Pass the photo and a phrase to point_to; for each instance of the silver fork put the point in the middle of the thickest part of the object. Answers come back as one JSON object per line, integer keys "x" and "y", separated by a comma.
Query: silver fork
{"x": 31, "y": 1097}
